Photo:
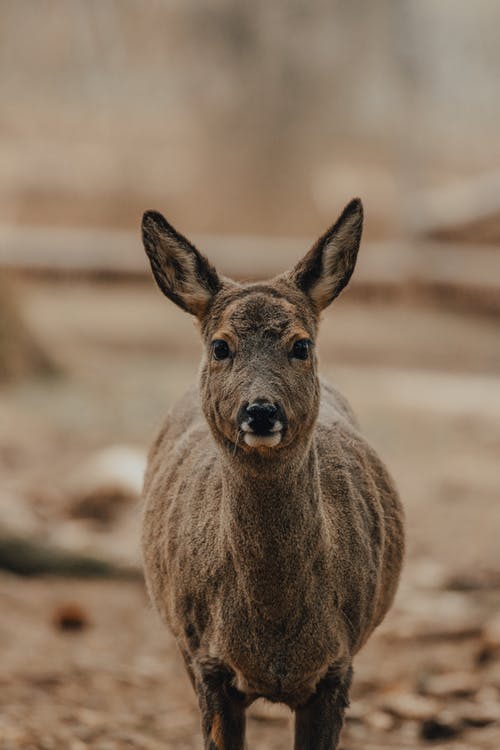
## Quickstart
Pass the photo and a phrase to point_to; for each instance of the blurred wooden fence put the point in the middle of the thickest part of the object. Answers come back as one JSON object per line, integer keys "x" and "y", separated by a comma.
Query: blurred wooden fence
{"x": 457, "y": 275}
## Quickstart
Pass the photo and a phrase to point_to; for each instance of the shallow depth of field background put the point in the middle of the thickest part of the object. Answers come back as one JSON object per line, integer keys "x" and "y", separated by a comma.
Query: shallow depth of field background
{"x": 249, "y": 125}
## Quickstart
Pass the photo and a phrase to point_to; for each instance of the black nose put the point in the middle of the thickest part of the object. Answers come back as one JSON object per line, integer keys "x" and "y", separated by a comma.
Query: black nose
{"x": 260, "y": 416}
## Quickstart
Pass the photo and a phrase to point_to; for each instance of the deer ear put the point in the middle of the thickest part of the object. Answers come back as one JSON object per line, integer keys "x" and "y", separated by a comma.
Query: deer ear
{"x": 328, "y": 266}
{"x": 181, "y": 271}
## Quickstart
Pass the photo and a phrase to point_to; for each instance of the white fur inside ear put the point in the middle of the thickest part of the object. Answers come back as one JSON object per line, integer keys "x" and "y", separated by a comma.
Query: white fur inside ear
{"x": 186, "y": 284}
{"x": 194, "y": 293}
{"x": 325, "y": 288}
{"x": 338, "y": 256}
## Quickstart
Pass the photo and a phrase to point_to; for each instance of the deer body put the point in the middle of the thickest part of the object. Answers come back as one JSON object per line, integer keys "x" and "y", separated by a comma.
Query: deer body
{"x": 272, "y": 532}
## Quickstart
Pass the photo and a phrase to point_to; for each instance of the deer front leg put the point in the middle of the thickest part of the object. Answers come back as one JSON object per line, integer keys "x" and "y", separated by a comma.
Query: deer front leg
{"x": 222, "y": 709}
{"x": 318, "y": 723}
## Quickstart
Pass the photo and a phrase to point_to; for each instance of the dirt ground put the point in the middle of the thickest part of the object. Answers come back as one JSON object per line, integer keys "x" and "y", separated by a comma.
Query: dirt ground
{"x": 85, "y": 664}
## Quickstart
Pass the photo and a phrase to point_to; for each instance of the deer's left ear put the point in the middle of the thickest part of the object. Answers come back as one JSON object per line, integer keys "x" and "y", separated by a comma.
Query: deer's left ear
{"x": 328, "y": 266}
{"x": 181, "y": 271}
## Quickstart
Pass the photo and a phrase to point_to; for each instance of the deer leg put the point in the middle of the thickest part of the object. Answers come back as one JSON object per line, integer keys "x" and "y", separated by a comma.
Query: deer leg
{"x": 318, "y": 723}
{"x": 223, "y": 710}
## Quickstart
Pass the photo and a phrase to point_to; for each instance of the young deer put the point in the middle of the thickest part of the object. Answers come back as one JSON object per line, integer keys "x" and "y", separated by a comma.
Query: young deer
{"x": 273, "y": 535}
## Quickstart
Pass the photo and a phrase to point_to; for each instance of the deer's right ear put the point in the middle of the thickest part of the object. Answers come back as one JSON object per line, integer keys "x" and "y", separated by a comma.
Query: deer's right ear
{"x": 328, "y": 266}
{"x": 183, "y": 274}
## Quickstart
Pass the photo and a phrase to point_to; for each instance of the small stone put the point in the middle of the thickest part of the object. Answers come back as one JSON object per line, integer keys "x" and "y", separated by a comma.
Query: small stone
{"x": 70, "y": 617}
{"x": 357, "y": 711}
{"x": 411, "y": 707}
{"x": 479, "y": 714}
{"x": 380, "y": 721}
{"x": 429, "y": 615}
{"x": 441, "y": 727}
{"x": 456, "y": 684}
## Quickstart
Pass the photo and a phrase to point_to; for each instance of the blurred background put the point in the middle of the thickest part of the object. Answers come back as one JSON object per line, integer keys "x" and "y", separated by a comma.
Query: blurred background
{"x": 249, "y": 125}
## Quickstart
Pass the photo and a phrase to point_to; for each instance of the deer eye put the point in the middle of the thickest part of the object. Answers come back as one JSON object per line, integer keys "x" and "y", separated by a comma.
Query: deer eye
{"x": 301, "y": 349}
{"x": 220, "y": 349}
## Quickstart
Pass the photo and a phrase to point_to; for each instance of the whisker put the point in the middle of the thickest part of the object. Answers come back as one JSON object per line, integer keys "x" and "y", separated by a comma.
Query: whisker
{"x": 240, "y": 432}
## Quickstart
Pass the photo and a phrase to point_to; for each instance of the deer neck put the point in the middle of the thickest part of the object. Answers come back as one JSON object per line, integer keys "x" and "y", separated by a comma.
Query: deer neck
{"x": 274, "y": 524}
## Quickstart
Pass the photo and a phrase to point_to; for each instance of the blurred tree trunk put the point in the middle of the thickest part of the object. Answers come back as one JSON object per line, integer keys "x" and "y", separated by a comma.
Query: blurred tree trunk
{"x": 21, "y": 355}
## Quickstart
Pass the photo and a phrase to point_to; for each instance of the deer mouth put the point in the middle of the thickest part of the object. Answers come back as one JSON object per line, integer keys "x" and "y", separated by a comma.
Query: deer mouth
{"x": 268, "y": 439}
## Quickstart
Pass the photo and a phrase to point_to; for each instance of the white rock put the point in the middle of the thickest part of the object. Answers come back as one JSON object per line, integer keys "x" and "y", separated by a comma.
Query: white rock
{"x": 452, "y": 684}
{"x": 411, "y": 706}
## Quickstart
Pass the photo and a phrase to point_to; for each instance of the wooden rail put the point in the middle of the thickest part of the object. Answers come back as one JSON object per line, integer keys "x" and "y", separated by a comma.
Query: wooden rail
{"x": 455, "y": 274}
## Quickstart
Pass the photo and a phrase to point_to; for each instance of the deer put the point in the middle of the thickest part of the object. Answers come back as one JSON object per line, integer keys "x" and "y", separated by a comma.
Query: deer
{"x": 273, "y": 535}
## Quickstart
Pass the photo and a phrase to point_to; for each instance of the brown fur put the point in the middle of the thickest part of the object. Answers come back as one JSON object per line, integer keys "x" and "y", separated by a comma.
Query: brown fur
{"x": 272, "y": 566}
{"x": 216, "y": 734}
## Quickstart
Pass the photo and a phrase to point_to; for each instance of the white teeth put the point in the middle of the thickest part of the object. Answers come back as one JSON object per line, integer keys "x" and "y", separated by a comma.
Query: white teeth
{"x": 246, "y": 427}
{"x": 267, "y": 441}
{"x": 277, "y": 427}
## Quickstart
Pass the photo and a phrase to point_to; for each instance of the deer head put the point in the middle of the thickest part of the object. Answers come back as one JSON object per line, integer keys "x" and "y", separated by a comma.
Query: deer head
{"x": 259, "y": 385}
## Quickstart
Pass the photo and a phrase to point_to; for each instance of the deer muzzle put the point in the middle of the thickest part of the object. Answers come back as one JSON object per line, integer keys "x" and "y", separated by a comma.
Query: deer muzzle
{"x": 262, "y": 423}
